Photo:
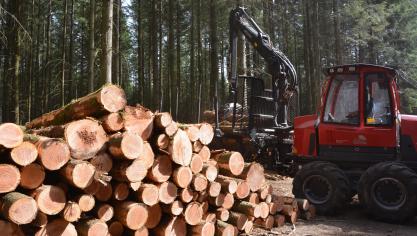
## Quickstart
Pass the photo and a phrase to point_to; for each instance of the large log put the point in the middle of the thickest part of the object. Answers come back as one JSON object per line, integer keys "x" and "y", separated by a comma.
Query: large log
{"x": 243, "y": 190}
{"x": 161, "y": 169}
{"x": 57, "y": 227}
{"x": 102, "y": 161}
{"x": 11, "y": 135}
{"x": 182, "y": 176}
{"x": 31, "y": 176}
{"x": 180, "y": 149}
{"x": 199, "y": 182}
{"x": 138, "y": 120}
{"x": 193, "y": 213}
{"x": 253, "y": 173}
{"x": 148, "y": 155}
{"x": 222, "y": 214}
{"x": 9, "y": 178}
{"x": 186, "y": 195}
{"x": 92, "y": 227}
{"x": 71, "y": 212}
{"x": 205, "y": 153}
{"x": 230, "y": 163}
{"x": 53, "y": 153}
{"x": 225, "y": 229}
{"x": 148, "y": 194}
{"x": 210, "y": 171}
{"x": 24, "y": 154}
{"x": 127, "y": 145}
{"x": 266, "y": 223}
{"x": 109, "y": 98}
{"x": 214, "y": 189}
{"x": 18, "y": 208}
{"x": 238, "y": 219}
{"x": 247, "y": 208}
{"x": 203, "y": 229}
{"x": 112, "y": 122}
{"x": 130, "y": 171}
{"x": 163, "y": 119}
{"x": 167, "y": 192}
{"x": 206, "y": 133}
{"x": 228, "y": 184}
{"x": 171, "y": 129}
{"x": 78, "y": 173}
{"x": 154, "y": 217}
{"x": 50, "y": 199}
{"x": 132, "y": 214}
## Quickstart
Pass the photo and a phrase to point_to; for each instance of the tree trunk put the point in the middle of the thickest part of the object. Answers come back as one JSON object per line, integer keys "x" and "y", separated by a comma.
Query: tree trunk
{"x": 92, "y": 50}
{"x": 107, "y": 41}
{"x": 63, "y": 51}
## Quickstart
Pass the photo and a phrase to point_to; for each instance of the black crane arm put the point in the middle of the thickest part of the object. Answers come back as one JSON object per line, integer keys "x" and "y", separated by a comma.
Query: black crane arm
{"x": 284, "y": 76}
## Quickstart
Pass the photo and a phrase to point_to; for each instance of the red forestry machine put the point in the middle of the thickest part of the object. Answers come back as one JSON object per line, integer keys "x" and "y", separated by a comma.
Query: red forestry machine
{"x": 358, "y": 142}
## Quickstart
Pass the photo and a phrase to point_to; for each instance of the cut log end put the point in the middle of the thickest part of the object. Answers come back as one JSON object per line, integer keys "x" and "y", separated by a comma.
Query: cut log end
{"x": 53, "y": 153}
{"x": 116, "y": 228}
{"x": 24, "y": 154}
{"x": 19, "y": 208}
{"x": 154, "y": 217}
{"x": 121, "y": 191}
{"x": 113, "y": 98}
{"x": 199, "y": 182}
{"x": 243, "y": 190}
{"x": 167, "y": 192}
{"x": 161, "y": 169}
{"x": 31, "y": 176}
{"x": 105, "y": 212}
{"x": 196, "y": 164}
{"x": 57, "y": 227}
{"x": 132, "y": 215}
{"x": 138, "y": 120}
{"x": 51, "y": 199}
{"x": 86, "y": 202}
{"x": 186, "y": 195}
{"x": 71, "y": 212}
{"x": 148, "y": 194}
{"x": 112, "y": 122}
{"x": 9, "y": 178}
{"x": 193, "y": 213}
{"x": 182, "y": 176}
{"x": 11, "y": 135}
{"x": 206, "y": 133}
{"x": 163, "y": 119}
{"x": 180, "y": 149}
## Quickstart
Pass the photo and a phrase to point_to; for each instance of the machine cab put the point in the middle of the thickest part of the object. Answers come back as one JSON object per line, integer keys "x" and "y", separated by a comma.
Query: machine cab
{"x": 357, "y": 116}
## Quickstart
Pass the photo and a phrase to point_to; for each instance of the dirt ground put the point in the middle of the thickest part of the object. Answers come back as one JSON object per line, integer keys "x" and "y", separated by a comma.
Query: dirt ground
{"x": 352, "y": 222}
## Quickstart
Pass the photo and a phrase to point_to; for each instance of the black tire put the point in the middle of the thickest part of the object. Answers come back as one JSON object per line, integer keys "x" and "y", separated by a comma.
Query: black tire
{"x": 388, "y": 191}
{"x": 323, "y": 184}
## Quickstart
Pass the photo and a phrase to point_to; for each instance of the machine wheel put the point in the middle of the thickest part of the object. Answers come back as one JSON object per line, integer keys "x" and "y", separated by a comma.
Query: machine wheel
{"x": 323, "y": 184}
{"x": 388, "y": 191}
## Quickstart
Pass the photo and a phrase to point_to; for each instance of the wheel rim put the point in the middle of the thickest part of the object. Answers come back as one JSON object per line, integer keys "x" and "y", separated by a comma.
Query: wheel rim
{"x": 317, "y": 189}
{"x": 389, "y": 193}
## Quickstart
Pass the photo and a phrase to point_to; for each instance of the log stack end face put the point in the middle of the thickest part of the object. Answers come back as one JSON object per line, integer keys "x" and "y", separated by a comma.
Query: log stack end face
{"x": 113, "y": 98}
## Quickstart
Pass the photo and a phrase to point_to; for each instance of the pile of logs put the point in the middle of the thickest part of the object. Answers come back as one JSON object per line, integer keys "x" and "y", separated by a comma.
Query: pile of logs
{"x": 99, "y": 167}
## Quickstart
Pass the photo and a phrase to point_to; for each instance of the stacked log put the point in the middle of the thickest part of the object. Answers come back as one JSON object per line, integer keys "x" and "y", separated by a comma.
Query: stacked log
{"x": 99, "y": 167}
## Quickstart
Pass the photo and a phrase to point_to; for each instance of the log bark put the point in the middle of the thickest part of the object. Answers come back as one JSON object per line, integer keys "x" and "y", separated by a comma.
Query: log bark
{"x": 229, "y": 185}
{"x": 9, "y": 178}
{"x": 71, "y": 212}
{"x": 116, "y": 228}
{"x": 109, "y": 98}
{"x": 24, "y": 154}
{"x": 133, "y": 215}
{"x": 104, "y": 212}
{"x": 203, "y": 229}
{"x": 303, "y": 204}
{"x": 266, "y": 223}
{"x": 225, "y": 229}
{"x": 154, "y": 217}
{"x": 18, "y": 208}
{"x": 230, "y": 163}
{"x": 167, "y": 192}
{"x": 50, "y": 199}
{"x": 102, "y": 162}
{"x": 182, "y": 176}
{"x": 180, "y": 149}
{"x": 41, "y": 220}
{"x": 112, "y": 122}
{"x": 247, "y": 208}
{"x": 57, "y": 227}
{"x": 238, "y": 219}
{"x": 104, "y": 192}
{"x": 78, "y": 173}
{"x": 161, "y": 169}
{"x": 148, "y": 194}
{"x": 279, "y": 220}
{"x": 120, "y": 191}
{"x": 127, "y": 145}
{"x": 138, "y": 120}
{"x": 11, "y": 135}
{"x": 92, "y": 227}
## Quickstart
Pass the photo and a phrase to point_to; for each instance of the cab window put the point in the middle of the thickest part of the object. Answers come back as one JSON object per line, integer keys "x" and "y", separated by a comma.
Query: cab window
{"x": 377, "y": 100}
{"x": 342, "y": 100}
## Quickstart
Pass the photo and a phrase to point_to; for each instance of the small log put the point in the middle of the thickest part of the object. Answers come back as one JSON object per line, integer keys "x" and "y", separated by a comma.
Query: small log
{"x": 243, "y": 190}
{"x": 209, "y": 217}
{"x": 222, "y": 214}
{"x": 205, "y": 207}
{"x": 186, "y": 195}
{"x": 167, "y": 192}
{"x": 199, "y": 182}
{"x": 193, "y": 132}
{"x": 148, "y": 156}
{"x": 182, "y": 176}
{"x": 228, "y": 184}
{"x": 18, "y": 208}
{"x": 148, "y": 194}
{"x": 253, "y": 173}
{"x": 102, "y": 161}
{"x": 201, "y": 196}
{"x": 161, "y": 169}
{"x": 53, "y": 154}
{"x": 116, "y": 228}
{"x": 162, "y": 120}
{"x": 264, "y": 191}
{"x": 237, "y": 219}
{"x": 292, "y": 218}
{"x": 180, "y": 149}
{"x": 161, "y": 141}
{"x": 196, "y": 164}
{"x": 206, "y": 133}
{"x": 86, "y": 202}
{"x": 104, "y": 192}
{"x": 138, "y": 120}
{"x": 247, "y": 208}
{"x": 24, "y": 154}
{"x": 225, "y": 229}
{"x": 279, "y": 220}
{"x": 41, "y": 220}
{"x": 197, "y": 146}
{"x": 120, "y": 191}
{"x": 288, "y": 200}
{"x": 210, "y": 171}
{"x": 105, "y": 212}
{"x": 126, "y": 145}
{"x": 287, "y": 210}
{"x": 50, "y": 199}
{"x": 267, "y": 223}
{"x": 92, "y": 227}
{"x": 175, "y": 208}
{"x": 214, "y": 189}
{"x": 228, "y": 200}
{"x": 248, "y": 227}
{"x": 274, "y": 207}
{"x": 230, "y": 163}
{"x": 171, "y": 129}
{"x": 303, "y": 204}
{"x": 109, "y": 98}
{"x": 193, "y": 213}
{"x": 203, "y": 229}
{"x": 130, "y": 171}
{"x": 205, "y": 153}
{"x": 172, "y": 226}
{"x": 264, "y": 209}
{"x": 71, "y": 212}
{"x": 253, "y": 198}
{"x": 57, "y": 227}
{"x": 268, "y": 198}
{"x": 78, "y": 173}
{"x": 31, "y": 176}
{"x": 112, "y": 122}
{"x": 9, "y": 178}
{"x": 131, "y": 214}
{"x": 154, "y": 217}
{"x": 11, "y": 135}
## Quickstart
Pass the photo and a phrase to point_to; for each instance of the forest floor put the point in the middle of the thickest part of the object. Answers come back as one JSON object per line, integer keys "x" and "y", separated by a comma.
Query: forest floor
{"x": 353, "y": 221}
